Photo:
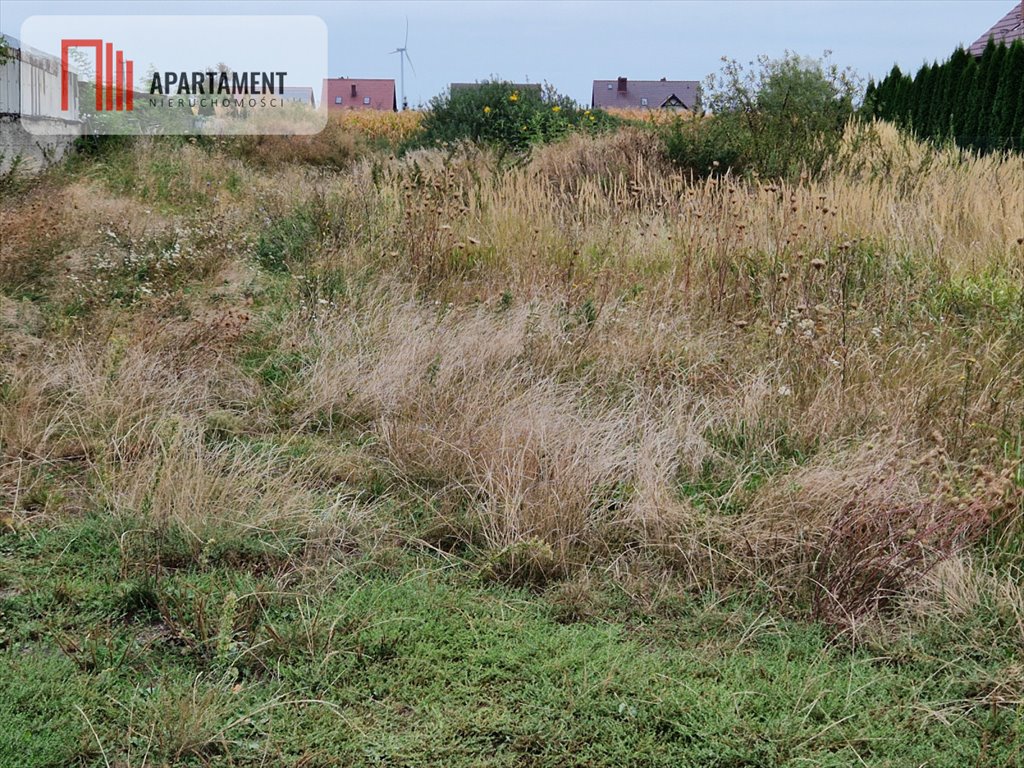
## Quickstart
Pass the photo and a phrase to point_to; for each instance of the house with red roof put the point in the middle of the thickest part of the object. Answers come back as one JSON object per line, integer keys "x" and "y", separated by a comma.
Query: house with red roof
{"x": 358, "y": 93}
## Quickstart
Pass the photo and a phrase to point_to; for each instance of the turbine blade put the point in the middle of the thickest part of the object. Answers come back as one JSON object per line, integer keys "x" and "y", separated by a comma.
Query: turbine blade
{"x": 410, "y": 62}
{"x": 406, "y": 32}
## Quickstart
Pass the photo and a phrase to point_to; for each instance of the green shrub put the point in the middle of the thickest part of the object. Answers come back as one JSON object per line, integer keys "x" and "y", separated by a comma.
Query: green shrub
{"x": 288, "y": 240}
{"x": 782, "y": 118}
{"x": 498, "y": 113}
{"x": 705, "y": 144}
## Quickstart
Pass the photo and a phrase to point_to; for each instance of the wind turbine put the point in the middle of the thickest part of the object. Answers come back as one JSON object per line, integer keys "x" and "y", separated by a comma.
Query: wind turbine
{"x": 403, "y": 56}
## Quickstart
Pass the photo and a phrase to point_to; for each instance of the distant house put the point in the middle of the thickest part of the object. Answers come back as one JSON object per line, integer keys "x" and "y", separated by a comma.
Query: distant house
{"x": 623, "y": 93}
{"x": 300, "y": 94}
{"x": 361, "y": 93}
{"x": 1006, "y": 30}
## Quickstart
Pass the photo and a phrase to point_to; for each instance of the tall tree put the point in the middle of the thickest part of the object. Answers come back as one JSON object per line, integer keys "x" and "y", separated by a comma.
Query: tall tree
{"x": 1018, "y": 121}
{"x": 922, "y": 99}
{"x": 904, "y": 99}
{"x": 870, "y": 105}
{"x": 962, "y": 102}
{"x": 943, "y": 122}
{"x": 975, "y": 120}
{"x": 1004, "y": 103}
{"x": 887, "y": 94}
{"x": 986, "y": 106}
{"x": 877, "y": 103}
{"x": 938, "y": 115}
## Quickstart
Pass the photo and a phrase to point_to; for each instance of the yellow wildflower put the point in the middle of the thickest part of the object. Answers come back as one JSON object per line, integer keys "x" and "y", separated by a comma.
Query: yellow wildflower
{"x": 556, "y": 108}
{"x": 487, "y": 110}
{"x": 514, "y": 96}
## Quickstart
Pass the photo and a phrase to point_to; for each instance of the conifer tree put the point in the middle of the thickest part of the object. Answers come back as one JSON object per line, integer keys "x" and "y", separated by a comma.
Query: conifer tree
{"x": 986, "y": 105}
{"x": 905, "y": 98}
{"x": 870, "y": 106}
{"x": 1004, "y": 103}
{"x": 874, "y": 95}
{"x": 938, "y": 117}
{"x": 975, "y": 124}
{"x": 962, "y": 102}
{"x": 900, "y": 95}
{"x": 922, "y": 100}
{"x": 889, "y": 99}
{"x": 945, "y": 124}
{"x": 1017, "y": 132}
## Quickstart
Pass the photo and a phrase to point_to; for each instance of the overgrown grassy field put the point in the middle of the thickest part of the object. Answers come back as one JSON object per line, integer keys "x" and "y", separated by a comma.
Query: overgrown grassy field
{"x": 313, "y": 455}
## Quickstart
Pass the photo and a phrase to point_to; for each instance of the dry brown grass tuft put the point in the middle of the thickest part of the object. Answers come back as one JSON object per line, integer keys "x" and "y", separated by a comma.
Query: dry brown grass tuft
{"x": 630, "y": 154}
{"x": 92, "y": 409}
{"x": 961, "y": 586}
{"x": 34, "y": 229}
{"x": 188, "y": 502}
{"x": 333, "y": 147}
{"x": 857, "y": 530}
{"x": 479, "y": 407}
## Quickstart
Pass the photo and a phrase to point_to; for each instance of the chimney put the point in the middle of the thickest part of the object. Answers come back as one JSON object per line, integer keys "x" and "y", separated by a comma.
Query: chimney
{"x": 663, "y": 79}
{"x": 622, "y": 85}
{"x": 353, "y": 90}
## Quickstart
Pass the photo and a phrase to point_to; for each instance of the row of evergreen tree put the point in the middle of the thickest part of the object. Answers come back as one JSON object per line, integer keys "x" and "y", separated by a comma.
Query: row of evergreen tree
{"x": 977, "y": 102}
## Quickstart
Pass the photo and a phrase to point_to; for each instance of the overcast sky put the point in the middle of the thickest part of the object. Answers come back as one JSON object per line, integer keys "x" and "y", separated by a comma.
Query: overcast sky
{"x": 569, "y": 44}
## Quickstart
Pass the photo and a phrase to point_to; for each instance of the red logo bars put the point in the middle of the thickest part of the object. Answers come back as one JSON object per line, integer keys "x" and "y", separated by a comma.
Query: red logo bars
{"x": 109, "y": 67}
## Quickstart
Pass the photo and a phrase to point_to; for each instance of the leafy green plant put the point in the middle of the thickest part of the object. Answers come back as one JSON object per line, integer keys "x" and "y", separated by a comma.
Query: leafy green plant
{"x": 513, "y": 118}
{"x": 780, "y": 118}
{"x": 13, "y": 178}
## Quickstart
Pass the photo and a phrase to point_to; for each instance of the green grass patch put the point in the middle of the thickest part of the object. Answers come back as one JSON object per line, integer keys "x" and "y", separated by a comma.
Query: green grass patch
{"x": 419, "y": 664}
{"x": 288, "y": 240}
{"x": 994, "y": 300}
{"x": 746, "y": 457}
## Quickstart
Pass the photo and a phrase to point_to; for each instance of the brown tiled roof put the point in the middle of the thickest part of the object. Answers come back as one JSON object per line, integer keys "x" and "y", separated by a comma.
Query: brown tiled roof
{"x": 607, "y": 93}
{"x": 1006, "y": 30}
{"x": 380, "y": 93}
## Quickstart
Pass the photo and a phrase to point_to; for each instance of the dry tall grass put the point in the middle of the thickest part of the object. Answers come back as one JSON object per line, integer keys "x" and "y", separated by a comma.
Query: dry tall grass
{"x": 653, "y": 116}
{"x": 589, "y": 356}
{"x": 484, "y": 411}
{"x": 394, "y": 127}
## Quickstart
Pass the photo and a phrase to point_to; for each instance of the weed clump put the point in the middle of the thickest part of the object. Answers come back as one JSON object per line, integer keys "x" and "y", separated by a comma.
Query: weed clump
{"x": 510, "y": 117}
{"x": 780, "y": 120}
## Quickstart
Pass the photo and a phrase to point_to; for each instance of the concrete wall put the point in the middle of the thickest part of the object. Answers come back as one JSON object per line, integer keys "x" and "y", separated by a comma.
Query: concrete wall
{"x": 37, "y": 75}
{"x": 27, "y": 152}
